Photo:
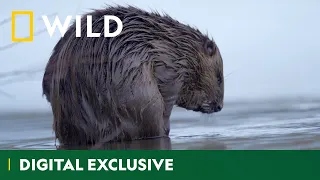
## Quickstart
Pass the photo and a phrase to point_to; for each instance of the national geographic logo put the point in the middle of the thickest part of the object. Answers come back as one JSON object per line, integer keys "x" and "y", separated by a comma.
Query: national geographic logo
{"x": 13, "y": 28}
{"x": 51, "y": 28}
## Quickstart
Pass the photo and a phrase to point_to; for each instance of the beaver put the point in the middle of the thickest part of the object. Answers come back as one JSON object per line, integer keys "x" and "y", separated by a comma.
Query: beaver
{"x": 124, "y": 88}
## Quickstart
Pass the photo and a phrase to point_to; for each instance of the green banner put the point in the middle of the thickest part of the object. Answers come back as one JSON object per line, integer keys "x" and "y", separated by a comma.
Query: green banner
{"x": 72, "y": 164}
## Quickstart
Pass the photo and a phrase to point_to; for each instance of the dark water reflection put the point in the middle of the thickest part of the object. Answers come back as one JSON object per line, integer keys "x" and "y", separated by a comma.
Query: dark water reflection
{"x": 163, "y": 143}
{"x": 147, "y": 144}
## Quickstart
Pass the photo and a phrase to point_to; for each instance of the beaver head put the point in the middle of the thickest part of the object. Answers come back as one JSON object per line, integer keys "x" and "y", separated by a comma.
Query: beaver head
{"x": 203, "y": 89}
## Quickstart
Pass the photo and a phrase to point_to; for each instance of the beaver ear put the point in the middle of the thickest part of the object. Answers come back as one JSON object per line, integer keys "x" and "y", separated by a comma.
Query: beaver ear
{"x": 210, "y": 48}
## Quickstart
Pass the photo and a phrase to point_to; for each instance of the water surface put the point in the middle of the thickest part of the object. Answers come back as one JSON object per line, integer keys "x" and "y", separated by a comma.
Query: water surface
{"x": 275, "y": 124}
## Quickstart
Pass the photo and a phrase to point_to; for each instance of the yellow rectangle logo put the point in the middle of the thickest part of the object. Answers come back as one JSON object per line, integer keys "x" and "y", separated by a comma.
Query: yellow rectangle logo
{"x": 13, "y": 30}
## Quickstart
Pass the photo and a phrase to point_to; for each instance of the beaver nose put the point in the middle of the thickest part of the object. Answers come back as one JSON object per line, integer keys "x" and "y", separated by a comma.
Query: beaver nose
{"x": 218, "y": 108}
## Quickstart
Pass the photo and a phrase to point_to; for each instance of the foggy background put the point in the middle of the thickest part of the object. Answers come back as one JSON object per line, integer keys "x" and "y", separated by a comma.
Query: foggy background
{"x": 270, "y": 47}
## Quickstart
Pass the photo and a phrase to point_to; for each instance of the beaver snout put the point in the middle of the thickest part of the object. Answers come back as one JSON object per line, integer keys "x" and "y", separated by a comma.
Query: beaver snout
{"x": 218, "y": 108}
{"x": 209, "y": 107}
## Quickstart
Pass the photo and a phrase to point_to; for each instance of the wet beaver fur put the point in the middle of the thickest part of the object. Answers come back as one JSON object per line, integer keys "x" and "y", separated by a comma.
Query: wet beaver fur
{"x": 124, "y": 87}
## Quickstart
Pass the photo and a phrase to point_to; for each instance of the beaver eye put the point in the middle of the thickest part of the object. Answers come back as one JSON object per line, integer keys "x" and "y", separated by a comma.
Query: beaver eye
{"x": 219, "y": 79}
{"x": 210, "y": 48}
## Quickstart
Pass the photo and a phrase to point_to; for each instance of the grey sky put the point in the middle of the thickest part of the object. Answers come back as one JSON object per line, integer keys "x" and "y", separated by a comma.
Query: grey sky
{"x": 271, "y": 47}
